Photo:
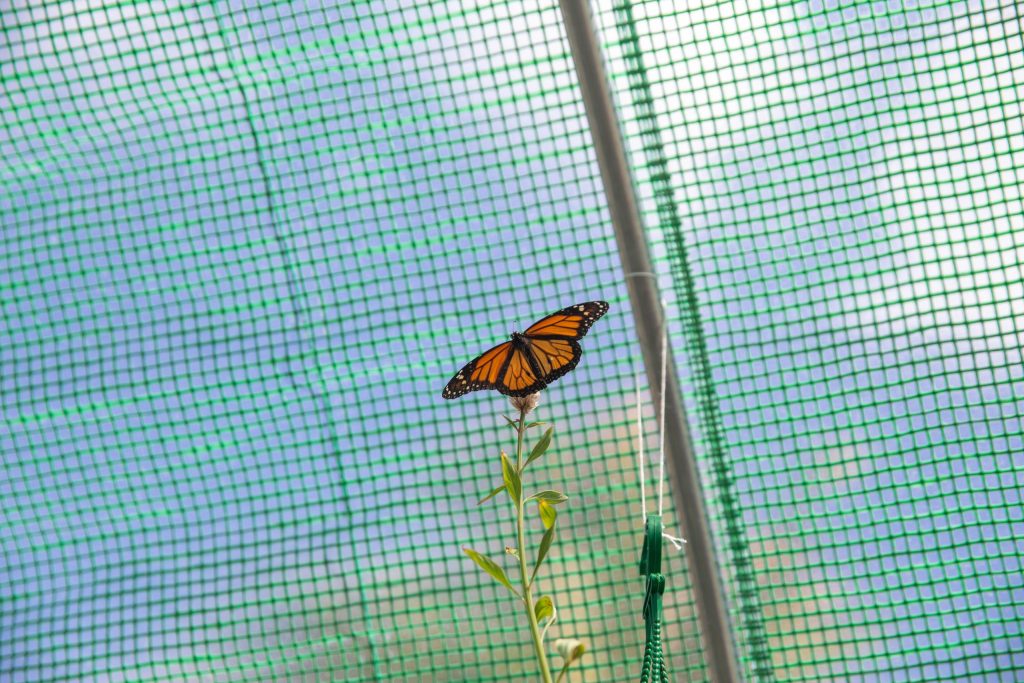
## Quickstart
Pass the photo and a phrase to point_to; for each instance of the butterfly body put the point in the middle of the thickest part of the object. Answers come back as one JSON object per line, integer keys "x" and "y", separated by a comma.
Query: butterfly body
{"x": 532, "y": 359}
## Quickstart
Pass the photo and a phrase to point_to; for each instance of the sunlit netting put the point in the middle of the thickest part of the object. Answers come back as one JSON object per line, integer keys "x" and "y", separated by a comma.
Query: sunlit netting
{"x": 836, "y": 192}
{"x": 243, "y": 246}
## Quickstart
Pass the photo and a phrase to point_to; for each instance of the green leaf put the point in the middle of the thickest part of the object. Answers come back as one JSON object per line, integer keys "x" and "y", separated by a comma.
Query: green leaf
{"x": 535, "y": 424}
{"x": 488, "y": 565}
{"x": 547, "y": 514}
{"x": 492, "y": 494}
{"x": 571, "y": 650}
{"x": 514, "y": 423}
{"x": 544, "y": 609}
{"x": 512, "y": 483}
{"x": 540, "y": 446}
{"x": 551, "y": 497}
{"x": 545, "y": 546}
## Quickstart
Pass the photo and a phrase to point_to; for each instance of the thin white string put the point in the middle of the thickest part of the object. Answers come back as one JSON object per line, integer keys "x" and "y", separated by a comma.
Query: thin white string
{"x": 661, "y": 422}
{"x": 640, "y": 447}
{"x": 641, "y": 471}
{"x": 674, "y": 540}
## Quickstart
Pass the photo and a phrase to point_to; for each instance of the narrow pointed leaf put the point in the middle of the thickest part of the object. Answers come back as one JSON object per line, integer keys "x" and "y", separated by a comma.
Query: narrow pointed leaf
{"x": 541, "y": 446}
{"x": 488, "y": 565}
{"x": 545, "y": 546}
{"x": 550, "y": 497}
{"x": 512, "y": 483}
{"x": 514, "y": 423}
{"x": 492, "y": 494}
{"x": 544, "y": 609}
{"x": 547, "y": 514}
{"x": 535, "y": 424}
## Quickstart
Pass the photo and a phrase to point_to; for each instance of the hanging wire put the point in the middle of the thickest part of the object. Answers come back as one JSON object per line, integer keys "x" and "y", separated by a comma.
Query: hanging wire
{"x": 676, "y": 541}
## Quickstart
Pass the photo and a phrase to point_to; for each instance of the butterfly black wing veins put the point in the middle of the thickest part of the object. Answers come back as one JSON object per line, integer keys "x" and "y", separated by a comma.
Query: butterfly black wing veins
{"x": 549, "y": 347}
{"x": 583, "y": 315}
{"x": 555, "y": 373}
{"x": 463, "y": 382}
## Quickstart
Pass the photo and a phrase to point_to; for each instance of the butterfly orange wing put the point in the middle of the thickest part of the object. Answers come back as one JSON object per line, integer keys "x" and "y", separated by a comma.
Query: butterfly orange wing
{"x": 569, "y": 323}
{"x": 555, "y": 357}
{"x": 520, "y": 377}
{"x": 547, "y": 351}
{"x": 482, "y": 372}
{"x": 551, "y": 341}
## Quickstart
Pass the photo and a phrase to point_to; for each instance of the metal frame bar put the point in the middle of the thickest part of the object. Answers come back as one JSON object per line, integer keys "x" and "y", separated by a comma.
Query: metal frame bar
{"x": 716, "y": 629}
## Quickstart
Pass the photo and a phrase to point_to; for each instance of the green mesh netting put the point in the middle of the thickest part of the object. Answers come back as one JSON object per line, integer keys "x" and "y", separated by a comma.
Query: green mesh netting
{"x": 244, "y": 249}
{"x": 244, "y": 245}
{"x": 836, "y": 191}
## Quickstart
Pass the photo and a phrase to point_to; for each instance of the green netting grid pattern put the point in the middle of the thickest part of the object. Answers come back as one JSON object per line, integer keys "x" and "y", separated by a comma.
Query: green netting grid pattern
{"x": 734, "y": 553}
{"x": 222, "y": 436}
{"x": 849, "y": 187}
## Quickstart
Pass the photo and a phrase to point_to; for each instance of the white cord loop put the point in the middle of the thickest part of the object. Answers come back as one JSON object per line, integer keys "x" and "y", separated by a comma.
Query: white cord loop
{"x": 676, "y": 541}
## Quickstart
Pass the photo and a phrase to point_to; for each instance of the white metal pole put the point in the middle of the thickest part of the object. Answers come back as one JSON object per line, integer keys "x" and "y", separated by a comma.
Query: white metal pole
{"x": 716, "y": 630}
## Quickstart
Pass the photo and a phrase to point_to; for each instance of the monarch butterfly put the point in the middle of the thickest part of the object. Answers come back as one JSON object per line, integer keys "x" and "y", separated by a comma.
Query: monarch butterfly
{"x": 532, "y": 359}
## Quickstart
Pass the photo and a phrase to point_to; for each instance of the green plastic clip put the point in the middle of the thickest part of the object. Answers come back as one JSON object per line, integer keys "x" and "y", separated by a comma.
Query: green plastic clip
{"x": 650, "y": 556}
{"x": 654, "y": 670}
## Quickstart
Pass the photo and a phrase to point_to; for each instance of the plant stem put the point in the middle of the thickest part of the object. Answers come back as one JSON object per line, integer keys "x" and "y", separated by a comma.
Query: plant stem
{"x": 538, "y": 642}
